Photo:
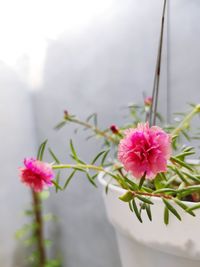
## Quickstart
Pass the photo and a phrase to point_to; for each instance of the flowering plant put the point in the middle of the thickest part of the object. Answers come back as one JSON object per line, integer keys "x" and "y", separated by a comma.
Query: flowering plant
{"x": 147, "y": 161}
{"x": 143, "y": 158}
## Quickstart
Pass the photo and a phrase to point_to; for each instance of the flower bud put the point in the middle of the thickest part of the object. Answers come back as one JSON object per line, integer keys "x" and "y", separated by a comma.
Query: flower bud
{"x": 148, "y": 101}
{"x": 114, "y": 129}
{"x": 66, "y": 114}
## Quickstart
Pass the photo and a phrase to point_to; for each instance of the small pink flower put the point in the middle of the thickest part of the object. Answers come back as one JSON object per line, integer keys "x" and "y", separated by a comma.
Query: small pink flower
{"x": 36, "y": 174}
{"x": 145, "y": 149}
{"x": 148, "y": 101}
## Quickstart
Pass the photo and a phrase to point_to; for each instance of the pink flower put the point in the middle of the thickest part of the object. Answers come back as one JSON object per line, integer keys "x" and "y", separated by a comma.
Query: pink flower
{"x": 145, "y": 149}
{"x": 148, "y": 101}
{"x": 36, "y": 174}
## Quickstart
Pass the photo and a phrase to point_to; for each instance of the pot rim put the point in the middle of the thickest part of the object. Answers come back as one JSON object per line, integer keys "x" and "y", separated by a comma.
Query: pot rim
{"x": 122, "y": 191}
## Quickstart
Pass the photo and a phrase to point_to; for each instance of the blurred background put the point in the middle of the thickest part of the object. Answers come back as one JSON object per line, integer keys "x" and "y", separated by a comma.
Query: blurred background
{"x": 84, "y": 56}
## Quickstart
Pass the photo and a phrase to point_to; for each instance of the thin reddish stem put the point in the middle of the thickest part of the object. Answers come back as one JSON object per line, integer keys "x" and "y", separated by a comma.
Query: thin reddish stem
{"x": 39, "y": 228}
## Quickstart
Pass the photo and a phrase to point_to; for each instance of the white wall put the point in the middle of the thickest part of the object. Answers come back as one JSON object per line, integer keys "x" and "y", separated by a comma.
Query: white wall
{"x": 100, "y": 68}
{"x": 17, "y": 137}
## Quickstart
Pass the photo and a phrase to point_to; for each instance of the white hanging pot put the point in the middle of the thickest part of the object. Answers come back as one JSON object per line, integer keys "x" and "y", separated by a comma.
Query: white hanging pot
{"x": 152, "y": 243}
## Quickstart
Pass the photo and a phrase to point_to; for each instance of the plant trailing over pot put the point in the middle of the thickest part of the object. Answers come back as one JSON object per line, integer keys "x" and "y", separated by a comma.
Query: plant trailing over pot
{"x": 150, "y": 162}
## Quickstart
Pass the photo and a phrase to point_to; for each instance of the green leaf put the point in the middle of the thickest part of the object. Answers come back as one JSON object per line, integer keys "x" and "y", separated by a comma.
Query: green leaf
{"x": 186, "y": 135}
{"x": 148, "y": 210}
{"x": 78, "y": 160}
{"x": 54, "y": 156}
{"x": 74, "y": 154}
{"x": 104, "y": 157}
{"x": 69, "y": 179}
{"x": 166, "y": 190}
{"x": 90, "y": 179}
{"x": 41, "y": 150}
{"x": 192, "y": 177}
{"x": 159, "y": 182}
{"x": 162, "y": 175}
{"x": 188, "y": 190}
{"x": 135, "y": 208}
{"x": 170, "y": 180}
{"x": 147, "y": 189}
{"x": 126, "y": 197}
{"x": 183, "y": 206}
{"x": 142, "y": 181}
{"x": 79, "y": 169}
{"x": 57, "y": 185}
{"x": 188, "y": 148}
{"x": 73, "y": 151}
{"x": 172, "y": 209}
{"x": 195, "y": 207}
{"x": 130, "y": 206}
{"x": 57, "y": 180}
{"x": 174, "y": 142}
{"x": 97, "y": 157}
{"x": 94, "y": 116}
{"x": 166, "y": 216}
{"x": 106, "y": 189}
{"x": 182, "y": 163}
{"x": 132, "y": 185}
{"x": 180, "y": 175}
{"x": 184, "y": 154}
{"x": 145, "y": 200}
{"x": 60, "y": 125}
{"x": 107, "y": 185}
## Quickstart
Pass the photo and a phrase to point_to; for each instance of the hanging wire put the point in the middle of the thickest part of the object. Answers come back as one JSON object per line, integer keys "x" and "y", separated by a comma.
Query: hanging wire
{"x": 156, "y": 83}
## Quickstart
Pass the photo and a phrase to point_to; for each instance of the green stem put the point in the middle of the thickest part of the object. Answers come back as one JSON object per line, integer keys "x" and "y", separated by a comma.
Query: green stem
{"x": 101, "y": 169}
{"x": 95, "y": 129}
{"x": 87, "y": 167}
{"x": 81, "y": 166}
{"x": 135, "y": 193}
{"x": 184, "y": 123}
{"x": 117, "y": 178}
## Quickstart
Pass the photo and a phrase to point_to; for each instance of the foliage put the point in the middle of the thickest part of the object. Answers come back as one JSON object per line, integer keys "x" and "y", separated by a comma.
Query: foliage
{"x": 27, "y": 234}
{"x": 181, "y": 183}
{"x": 176, "y": 187}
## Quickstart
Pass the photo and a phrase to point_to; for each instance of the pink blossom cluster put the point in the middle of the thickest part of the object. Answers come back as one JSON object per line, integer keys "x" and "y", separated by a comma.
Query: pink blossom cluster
{"x": 145, "y": 150}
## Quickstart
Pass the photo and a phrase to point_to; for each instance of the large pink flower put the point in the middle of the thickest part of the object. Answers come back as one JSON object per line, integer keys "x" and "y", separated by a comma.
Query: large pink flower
{"x": 36, "y": 174}
{"x": 145, "y": 150}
